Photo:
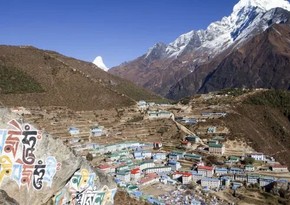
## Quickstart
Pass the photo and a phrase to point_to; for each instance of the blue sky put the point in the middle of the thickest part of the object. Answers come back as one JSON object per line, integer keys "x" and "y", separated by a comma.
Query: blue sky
{"x": 117, "y": 30}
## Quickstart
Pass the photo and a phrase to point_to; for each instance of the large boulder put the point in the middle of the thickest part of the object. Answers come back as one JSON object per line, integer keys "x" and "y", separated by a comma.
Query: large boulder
{"x": 37, "y": 169}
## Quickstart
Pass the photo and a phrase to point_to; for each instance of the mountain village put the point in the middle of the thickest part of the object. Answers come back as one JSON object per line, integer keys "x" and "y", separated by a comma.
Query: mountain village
{"x": 133, "y": 145}
{"x": 203, "y": 120}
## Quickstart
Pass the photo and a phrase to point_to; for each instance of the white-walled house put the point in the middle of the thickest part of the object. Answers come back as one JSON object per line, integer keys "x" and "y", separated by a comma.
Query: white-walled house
{"x": 186, "y": 178}
{"x": 216, "y": 148}
{"x": 174, "y": 165}
{"x": 124, "y": 176}
{"x": 210, "y": 183}
{"x": 159, "y": 156}
{"x": 142, "y": 105}
{"x": 135, "y": 174}
{"x": 205, "y": 171}
{"x": 159, "y": 114}
{"x": 74, "y": 131}
{"x": 147, "y": 164}
{"x": 97, "y": 131}
{"x": 258, "y": 156}
{"x": 165, "y": 169}
{"x": 221, "y": 171}
{"x": 279, "y": 168}
{"x": 249, "y": 168}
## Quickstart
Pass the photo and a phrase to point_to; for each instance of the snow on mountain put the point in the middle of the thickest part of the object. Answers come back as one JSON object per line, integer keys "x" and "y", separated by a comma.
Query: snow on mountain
{"x": 99, "y": 62}
{"x": 157, "y": 51}
{"x": 263, "y": 4}
{"x": 247, "y": 16}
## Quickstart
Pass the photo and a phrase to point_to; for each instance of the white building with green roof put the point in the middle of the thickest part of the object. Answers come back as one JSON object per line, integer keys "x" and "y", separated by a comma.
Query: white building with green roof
{"x": 218, "y": 149}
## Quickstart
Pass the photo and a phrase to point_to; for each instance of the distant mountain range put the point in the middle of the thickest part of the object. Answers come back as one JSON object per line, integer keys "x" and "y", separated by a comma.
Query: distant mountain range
{"x": 249, "y": 48}
{"x": 34, "y": 77}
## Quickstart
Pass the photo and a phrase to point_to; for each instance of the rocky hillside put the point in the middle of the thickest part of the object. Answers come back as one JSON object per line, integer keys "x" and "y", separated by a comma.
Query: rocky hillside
{"x": 38, "y": 169}
{"x": 229, "y": 53}
{"x": 264, "y": 120}
{"x": 33, "y": 77}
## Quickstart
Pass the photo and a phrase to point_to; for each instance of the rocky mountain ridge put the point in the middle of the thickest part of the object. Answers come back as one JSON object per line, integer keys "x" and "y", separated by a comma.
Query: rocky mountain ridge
{"x": 164, "y": 67}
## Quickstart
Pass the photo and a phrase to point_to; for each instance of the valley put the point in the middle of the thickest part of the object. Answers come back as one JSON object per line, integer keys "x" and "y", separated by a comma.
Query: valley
{"x": 125, "y": 138}
{"x": 200, "y": 120}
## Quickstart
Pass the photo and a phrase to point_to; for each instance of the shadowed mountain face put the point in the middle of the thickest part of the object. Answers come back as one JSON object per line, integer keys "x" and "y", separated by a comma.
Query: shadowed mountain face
{"x": 262, "y": 62}
{"x": 247, "y": 49}
{"x": 33, "y": 77}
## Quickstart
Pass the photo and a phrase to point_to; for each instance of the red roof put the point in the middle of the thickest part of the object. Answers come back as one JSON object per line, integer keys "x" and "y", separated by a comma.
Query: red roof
{"x": 135, "y": 171}
{"x": 145, "y": 179}
{"x": 187, "y": 174}
{"x": 178, "y": 172}
{"x": 104, "y": 166}
{"x": 279, "y": 166}
{"x": 149, "y": 177}
{"x": 205, "y": 167}
{"x": 185, "y": 142}
{"x": 153, "y": 175}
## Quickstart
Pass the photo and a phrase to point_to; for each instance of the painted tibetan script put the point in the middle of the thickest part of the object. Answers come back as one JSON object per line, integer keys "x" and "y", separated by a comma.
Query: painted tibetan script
{"x": 17, "y": 157}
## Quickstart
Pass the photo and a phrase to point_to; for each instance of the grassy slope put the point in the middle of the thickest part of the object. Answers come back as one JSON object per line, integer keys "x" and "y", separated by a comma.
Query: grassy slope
{"x": 66, "y": 81}
{"x": 263, "y": 120}
{"x": 115, "y": 83}
{"x": 278, "y": 99}
{"x": 13, "y": 81}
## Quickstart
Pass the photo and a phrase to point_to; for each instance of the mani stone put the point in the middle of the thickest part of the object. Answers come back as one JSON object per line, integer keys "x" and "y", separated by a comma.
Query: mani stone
{"x": 70, "y": 167}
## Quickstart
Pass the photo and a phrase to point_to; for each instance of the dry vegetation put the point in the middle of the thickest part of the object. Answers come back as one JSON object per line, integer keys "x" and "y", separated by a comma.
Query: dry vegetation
{"x": 122, "y": 198}
{"x": 65, "y": 81}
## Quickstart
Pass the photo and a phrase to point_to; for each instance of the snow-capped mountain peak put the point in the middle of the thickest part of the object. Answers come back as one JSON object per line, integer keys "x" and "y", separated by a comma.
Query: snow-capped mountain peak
{"x": 156, "y": 51}
{"x": 99, "y": 62}
{"x": 219, "y": 35}
{"x": 265, "y": 5}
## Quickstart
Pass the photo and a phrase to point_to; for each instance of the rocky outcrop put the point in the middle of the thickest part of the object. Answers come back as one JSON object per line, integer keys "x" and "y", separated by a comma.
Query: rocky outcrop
{"x": 38, "y": 169}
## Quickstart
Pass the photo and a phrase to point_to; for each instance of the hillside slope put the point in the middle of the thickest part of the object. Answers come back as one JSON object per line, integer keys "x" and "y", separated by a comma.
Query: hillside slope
{"x": 263, "y": 120}
{"x": 262, "y": 62}
{"x": 44, "y": 78}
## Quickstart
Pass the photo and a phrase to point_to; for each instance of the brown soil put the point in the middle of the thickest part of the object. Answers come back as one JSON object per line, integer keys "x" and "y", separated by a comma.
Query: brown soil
{"x": 266, "y": 129}
{"x": 122, "y": 198}
{"x": 67, "y": 82}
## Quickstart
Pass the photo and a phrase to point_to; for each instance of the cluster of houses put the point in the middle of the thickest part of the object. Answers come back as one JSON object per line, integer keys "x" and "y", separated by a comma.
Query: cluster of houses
{"x": 135, "y": 165}
{"x": 95, "y": 131}
{"x": 220, "y": 177}
{"x": 143, "y": 105}
{"x": 215, "y": 146}
{"x": 138, "y": 165}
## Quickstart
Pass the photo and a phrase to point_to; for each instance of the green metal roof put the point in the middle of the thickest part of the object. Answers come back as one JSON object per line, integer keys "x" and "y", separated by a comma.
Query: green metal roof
{"x": 215, "y": 145}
